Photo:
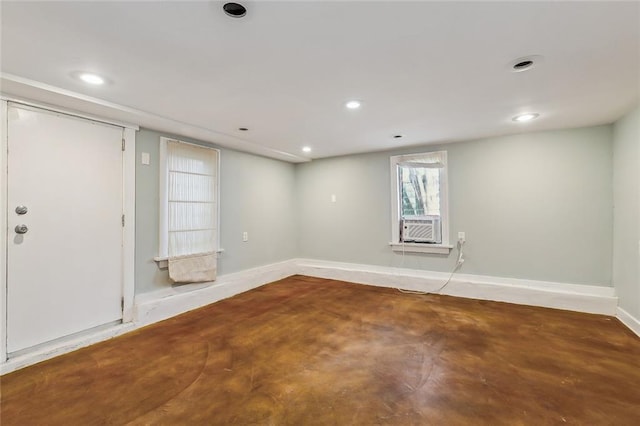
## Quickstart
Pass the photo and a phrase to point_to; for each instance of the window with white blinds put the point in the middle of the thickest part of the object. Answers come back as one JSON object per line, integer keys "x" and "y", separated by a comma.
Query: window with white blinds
{"x": 189, "y": 199}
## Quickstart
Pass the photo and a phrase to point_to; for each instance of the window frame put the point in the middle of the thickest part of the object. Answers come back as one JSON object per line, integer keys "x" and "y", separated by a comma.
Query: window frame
{"x": 163, "y": 237}
{"x": 396, "y": 245}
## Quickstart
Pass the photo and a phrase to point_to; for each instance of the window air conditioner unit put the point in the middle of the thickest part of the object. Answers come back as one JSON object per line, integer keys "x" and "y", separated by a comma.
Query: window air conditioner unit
{"x": 421, "y": 230}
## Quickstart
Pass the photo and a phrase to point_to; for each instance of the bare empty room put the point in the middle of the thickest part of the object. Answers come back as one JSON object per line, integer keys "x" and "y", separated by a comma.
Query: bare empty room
{"x": 320, "y": 213}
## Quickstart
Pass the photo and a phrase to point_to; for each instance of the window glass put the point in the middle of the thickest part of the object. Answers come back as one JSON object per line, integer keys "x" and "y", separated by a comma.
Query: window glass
{"x": 420, "y": 191}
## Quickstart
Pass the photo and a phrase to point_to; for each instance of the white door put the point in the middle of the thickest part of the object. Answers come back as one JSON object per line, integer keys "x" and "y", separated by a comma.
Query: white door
{"x": 64, "y": 273}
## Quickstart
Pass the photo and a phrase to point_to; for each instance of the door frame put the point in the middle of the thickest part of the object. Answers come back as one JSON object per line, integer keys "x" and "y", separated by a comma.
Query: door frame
{"x": 128, "y": 206}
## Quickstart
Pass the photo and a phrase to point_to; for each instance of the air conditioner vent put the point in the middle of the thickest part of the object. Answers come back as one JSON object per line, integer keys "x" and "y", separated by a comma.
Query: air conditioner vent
{"x": 421, "y": 230}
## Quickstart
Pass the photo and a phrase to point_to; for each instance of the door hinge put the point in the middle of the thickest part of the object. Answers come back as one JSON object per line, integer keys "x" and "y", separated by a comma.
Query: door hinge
{"x": 123, "y": 221}
{"x": 123, "y": 144}
{"x": 122, "y": 303}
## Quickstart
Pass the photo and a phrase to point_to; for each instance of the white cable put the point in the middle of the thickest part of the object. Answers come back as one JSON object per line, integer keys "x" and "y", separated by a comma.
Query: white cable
{"x": 459, "y": 263}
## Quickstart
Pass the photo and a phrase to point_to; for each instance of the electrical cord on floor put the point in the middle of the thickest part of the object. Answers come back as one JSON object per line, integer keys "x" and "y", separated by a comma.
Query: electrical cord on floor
{"x": 459, "y": 263}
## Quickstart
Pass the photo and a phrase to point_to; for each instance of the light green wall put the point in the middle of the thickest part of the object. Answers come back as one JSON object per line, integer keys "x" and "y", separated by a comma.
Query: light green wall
{"x": 626, "y": 196}
{"x": 256, "y": 196}
{"x": 535, "y": 206}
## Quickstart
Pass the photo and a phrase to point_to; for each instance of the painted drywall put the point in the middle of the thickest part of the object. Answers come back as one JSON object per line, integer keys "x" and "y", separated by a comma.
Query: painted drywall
{"x": 534, "y": 206}
{"x": 256, "y": 196}
{"x": 626, "y": 219}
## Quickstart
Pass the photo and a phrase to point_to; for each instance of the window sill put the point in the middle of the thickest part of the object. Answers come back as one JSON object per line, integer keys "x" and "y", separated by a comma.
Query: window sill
{"x": 421, "y": 248}
{"x": 163, "y": 261}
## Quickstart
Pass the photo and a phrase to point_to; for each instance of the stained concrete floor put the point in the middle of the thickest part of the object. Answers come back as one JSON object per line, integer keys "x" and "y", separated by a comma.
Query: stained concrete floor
{"x": 309, "y": 351}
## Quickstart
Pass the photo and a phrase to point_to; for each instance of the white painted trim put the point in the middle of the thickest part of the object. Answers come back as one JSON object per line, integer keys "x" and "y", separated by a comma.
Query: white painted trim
{"x": 27, "y": 90}
{"x": 129, "y": 229}
{"x": 62, "y": 347}
{"x": 574, "y": 297}
{"x": 421, "y": 248}
{"x": 163, "y": 216}
{"x": 4, "y": 145}
{"x": 162, "y": 304}
{"x": 396, "y": 244}
{"x": 159, "y": 305}
{"x": 48, "y": 107}
{"x": 128, "y": 232}
{"x": 629, "y": 320}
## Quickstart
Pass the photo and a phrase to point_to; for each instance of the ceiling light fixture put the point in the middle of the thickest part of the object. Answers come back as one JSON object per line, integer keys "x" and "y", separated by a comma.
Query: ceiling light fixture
{"x": 522, "y": 65}
{"x": 525, "y": 63}
{"x": 235, "y": 10}
{"x": 525, "y": 117}
{"x": 353, "y": 104}
{"x": 306, "y": 149}
{"x": 90, "y": 78}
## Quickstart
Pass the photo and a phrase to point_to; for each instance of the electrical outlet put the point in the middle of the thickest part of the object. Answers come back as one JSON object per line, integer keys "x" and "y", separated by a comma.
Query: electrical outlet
{"x": 245, "y": 236}
{"x": 461, "y": 237}
{"x": 333, "y": 198}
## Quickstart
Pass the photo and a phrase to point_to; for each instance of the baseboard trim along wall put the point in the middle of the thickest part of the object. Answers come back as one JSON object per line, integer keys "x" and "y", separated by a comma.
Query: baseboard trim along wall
{"x": 61, "y": 347}
{"x": 573, "y": 297}
{"x": 162, "y": 304}
{"x": 629, "y": 320}
{"x": 159, "y": 305}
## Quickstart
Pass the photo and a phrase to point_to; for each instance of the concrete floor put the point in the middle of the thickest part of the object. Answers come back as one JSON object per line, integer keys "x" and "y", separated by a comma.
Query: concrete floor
{"x": 309, "y": 351}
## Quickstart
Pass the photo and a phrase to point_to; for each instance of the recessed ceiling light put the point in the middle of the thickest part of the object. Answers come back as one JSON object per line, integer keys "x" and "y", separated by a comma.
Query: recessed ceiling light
{"x": 353, "y": 104}
{"x": 306, "y": 149}
{"x": 243, "y": 129}
{"x": 525, "y": 63}
{"x": 525, "y": 117}
{"x": 235, "y": 10}
{"x": 90, "y": 78}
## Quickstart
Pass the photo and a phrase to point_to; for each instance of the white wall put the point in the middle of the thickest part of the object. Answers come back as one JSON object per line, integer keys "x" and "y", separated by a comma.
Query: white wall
{"x": 256, "y": 196}
{"x": 535, "y": 206}
{"x": 626, "y": 196}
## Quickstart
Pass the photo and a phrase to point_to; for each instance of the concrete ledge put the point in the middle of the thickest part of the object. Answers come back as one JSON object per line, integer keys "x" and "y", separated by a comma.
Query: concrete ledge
{"x": 629, "y": 320}
{"x": 61, "y": 347}
{"x": 573, "y": 297}
{"x": 159, "y": 305}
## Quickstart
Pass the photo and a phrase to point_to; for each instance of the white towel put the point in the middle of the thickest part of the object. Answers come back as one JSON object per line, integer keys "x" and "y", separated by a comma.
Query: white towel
{"x": 193, "y": 268}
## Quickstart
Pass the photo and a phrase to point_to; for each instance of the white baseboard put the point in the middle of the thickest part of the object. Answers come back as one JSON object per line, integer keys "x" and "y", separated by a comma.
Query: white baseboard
{"x": 157, "y": 306}
{"x": 64, "y": 346}
{"x": 573, "y": 297}
{"x": 629, "y": 320}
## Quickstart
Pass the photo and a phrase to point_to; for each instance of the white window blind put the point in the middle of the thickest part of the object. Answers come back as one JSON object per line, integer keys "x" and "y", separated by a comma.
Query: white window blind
{"x": 191, "y": 208}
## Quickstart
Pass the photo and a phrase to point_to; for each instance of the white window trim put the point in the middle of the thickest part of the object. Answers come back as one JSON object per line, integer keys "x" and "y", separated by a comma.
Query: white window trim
{"x": 163, "y": 240}
{"x": 399, "y": 246}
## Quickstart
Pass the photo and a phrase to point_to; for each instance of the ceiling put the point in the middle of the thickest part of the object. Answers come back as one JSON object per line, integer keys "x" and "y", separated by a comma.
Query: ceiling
{"x": 433, "y": 72}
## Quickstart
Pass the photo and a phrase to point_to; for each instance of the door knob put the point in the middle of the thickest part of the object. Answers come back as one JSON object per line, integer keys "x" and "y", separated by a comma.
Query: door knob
{"x": 21, "y": 229}
{"x": 21, "y": 210}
